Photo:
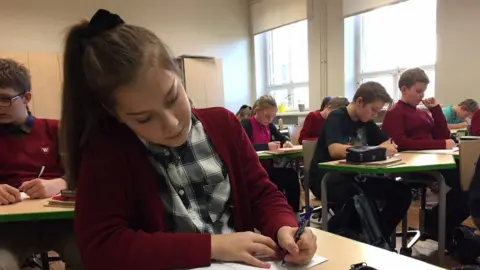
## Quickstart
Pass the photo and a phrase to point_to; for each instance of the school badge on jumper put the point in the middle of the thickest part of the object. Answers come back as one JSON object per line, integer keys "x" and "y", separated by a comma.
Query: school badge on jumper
{"x": 45, "y": 150}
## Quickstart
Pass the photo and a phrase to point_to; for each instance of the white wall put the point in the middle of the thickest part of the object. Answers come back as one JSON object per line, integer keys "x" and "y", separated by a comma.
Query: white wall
{"x": 326, "y": 50}
{"x": 458, "y": 50}
{"x": 218, "y": 28}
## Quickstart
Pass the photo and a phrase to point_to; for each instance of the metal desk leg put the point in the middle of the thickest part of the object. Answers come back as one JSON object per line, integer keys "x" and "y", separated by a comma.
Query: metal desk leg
{"x": 306, "y": 188}
{"x": 442, "y": 206}
{"x": 324, "y": 200}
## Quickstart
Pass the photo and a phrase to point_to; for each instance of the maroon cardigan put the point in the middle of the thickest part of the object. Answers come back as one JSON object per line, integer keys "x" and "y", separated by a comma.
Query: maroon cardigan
{"x": 413, "y": 129}
{"x": 312, "y": 126}
{"x": 475, "y": 125}
{"x": 120, "y": 221}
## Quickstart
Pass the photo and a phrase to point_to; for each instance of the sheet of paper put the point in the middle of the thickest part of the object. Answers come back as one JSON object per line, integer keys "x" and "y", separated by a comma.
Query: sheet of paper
{"x": 441, "y": 151}
{"x": 276, "y": 265}
{"x": 24, "y": 196}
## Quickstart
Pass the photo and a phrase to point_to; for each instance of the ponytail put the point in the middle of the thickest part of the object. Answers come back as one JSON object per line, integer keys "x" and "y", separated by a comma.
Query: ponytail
{"x": 81, "y": 111}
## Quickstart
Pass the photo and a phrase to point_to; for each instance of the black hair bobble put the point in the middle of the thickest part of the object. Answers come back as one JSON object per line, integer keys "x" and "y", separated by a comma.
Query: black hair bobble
{"x": 103, "y": 20}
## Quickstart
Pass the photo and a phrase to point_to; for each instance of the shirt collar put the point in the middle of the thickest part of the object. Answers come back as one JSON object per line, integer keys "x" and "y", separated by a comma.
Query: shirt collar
{"x": 407, "y": 104}
{"x": 24, "y": 128}
{"x": 27, "y": 126}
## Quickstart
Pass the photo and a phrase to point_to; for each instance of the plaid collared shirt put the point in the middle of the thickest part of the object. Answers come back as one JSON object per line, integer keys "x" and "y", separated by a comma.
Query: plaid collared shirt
{"x": 198, "y": 186}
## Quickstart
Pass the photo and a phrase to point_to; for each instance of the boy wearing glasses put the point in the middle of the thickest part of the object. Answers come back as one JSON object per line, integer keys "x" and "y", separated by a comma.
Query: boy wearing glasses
{"x": 29, "y": 163}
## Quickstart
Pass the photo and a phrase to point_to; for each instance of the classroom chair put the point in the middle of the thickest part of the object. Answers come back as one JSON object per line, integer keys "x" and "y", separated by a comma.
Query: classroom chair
{"x": 308, "y": 151}
{"x": 406, "y": 232}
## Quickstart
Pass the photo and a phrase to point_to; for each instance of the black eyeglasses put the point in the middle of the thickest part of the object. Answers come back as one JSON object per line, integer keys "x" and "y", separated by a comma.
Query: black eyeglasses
{"x": 7, "y": 101}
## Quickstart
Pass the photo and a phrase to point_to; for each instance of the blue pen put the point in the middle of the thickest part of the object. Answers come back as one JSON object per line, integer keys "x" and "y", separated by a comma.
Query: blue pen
{"x": 301, "y": 226}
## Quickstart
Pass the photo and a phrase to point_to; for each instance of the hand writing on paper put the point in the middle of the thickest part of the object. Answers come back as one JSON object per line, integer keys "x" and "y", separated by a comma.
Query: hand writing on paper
{"x": 450, "y": 144}
{"x": 300, "y": 252}
{"x": 9, "y": 194}
{"x": 391, "y": 148}
{"x": 430, "y": 102}
{"x": 241, "y": 247}
{"x": 40, "y": 188}
{"x": 273, "y": 146}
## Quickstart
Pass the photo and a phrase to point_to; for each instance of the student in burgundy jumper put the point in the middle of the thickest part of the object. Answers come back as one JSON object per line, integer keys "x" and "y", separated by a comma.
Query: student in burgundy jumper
{"x": 265, "y": 136}
{"x": 414, "y": 129}
{"x": 160, "y": 185}
{"x": 313, "y": 124}
{"x": 475, "y": 124}
{"x": 27, "y": 144}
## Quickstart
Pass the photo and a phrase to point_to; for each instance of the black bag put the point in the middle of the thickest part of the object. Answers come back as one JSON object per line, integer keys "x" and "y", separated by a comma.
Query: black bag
{"x": 358, "y": 154}
{"x": 466, "y": 247}
{"x": 358, "y": 220}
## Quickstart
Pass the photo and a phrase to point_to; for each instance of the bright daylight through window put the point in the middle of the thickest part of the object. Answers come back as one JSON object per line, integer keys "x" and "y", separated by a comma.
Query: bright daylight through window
{"x": 287, "y": 65}
{"x": 394, "y": 38}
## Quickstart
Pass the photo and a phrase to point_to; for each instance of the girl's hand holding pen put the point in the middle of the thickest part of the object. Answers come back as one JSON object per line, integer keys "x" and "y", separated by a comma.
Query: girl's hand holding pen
{"x": 300, "y": 252}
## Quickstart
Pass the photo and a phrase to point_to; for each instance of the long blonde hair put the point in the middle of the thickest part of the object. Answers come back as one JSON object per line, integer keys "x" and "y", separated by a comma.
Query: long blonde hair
{"x": 264, "y": 101}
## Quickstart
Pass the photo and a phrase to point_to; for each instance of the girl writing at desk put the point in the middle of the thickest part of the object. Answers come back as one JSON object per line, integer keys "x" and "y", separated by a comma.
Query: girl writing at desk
{"x": 160, "y": 185}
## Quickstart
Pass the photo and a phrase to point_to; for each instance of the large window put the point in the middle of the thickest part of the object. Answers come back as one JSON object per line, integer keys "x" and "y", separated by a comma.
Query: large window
{"x": 394, "y": 38}
{"x": 287, "y": 65}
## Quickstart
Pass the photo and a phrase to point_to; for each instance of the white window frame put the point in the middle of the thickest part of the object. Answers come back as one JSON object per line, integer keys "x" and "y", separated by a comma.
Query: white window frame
{"x": 269, "y": 79}
{"x": 395, "y": 73}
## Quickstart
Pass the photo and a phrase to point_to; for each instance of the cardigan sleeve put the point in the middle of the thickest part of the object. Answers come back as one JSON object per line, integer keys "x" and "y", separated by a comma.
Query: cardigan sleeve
{"x": 247, "y": 126}
{"x": 270, "y": 208}
{"x": 104, "y": 215}
{"x": 440, "y": 129}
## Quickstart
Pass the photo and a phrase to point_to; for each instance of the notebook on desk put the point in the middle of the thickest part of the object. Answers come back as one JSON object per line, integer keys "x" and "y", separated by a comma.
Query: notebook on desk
{"x": 275, "y": 265}
{"x": 61, "y": 201}
{"x": 294, "y": 149}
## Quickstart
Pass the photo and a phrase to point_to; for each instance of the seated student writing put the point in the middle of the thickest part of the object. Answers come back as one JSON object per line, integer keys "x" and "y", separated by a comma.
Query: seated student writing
{"x": 414, "y": 129}
{"x": 457, "y": 114}
{"x": 313, "y": 124}
{"x": 353, "y": 125}
{"x": 29, "y": 163}
{"x": 475, "y": 124}
{"x": 265, "y": 136}
{"x": 160, "y": 185}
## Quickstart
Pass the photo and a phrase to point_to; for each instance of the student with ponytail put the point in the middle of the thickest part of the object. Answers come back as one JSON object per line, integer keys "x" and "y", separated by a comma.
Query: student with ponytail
{"x": 160, "y": 185}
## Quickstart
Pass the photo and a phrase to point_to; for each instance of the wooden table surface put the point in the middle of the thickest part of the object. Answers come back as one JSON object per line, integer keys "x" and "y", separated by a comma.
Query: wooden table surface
{"x": 29, "y": 210}
{"x": 342, "y": 253}
{"x": 410, "y": 162}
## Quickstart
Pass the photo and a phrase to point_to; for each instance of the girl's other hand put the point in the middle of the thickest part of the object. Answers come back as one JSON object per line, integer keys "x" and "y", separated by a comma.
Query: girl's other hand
{"x": 242, "y": 247}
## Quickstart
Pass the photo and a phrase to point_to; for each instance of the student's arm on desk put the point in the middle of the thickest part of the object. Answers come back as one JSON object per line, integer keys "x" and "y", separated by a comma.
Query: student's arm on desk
{"x": 440, "y": 129}
{"x": 103, "y": 213}
{"x": 394, "y": 125}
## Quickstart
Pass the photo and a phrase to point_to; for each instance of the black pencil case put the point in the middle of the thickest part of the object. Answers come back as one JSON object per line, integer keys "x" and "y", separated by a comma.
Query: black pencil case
{"x": 359, "y": 154}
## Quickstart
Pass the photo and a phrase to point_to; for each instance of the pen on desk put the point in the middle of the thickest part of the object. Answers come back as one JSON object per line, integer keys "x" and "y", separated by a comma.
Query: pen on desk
{"x": 301, "y": 227}
{"x": 41, "y": 172}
